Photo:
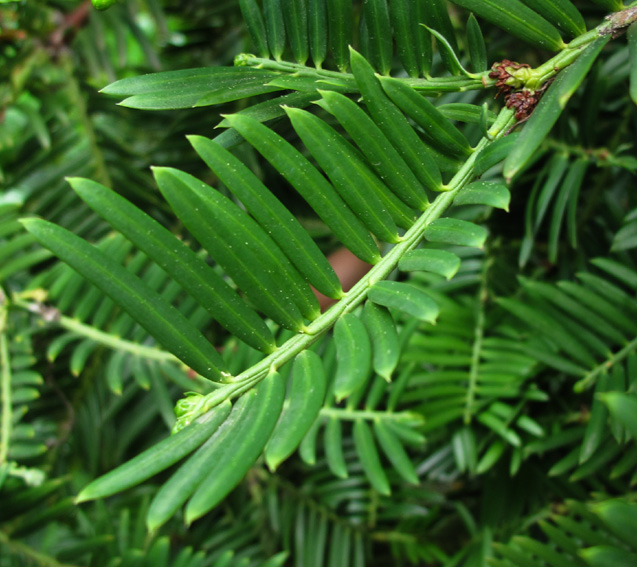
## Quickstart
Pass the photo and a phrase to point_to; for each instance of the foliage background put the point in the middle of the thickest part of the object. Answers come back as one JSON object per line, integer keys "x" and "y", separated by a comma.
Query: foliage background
{"x": 522, "y": 463}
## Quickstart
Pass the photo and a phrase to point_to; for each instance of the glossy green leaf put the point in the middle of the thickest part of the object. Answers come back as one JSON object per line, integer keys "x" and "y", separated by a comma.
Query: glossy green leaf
{"x": 596, "y": 428}
{"x": 236, "y": 453}
{"x": 395, "y": 452}
{"x": 379, "y": 151}
{"x": 394, "y": 124}
{"x": 561, "y": 13}
{"x": 405, "y": 297}
{"x": 223, "y": 229}
{"x": 271, "y": 214}
{"x": 423, "y": 44}
{"x": 321, "y": 140}
{"x": 437, "y": 130}
{"x": 186, "y": 88}
{"x": 621, "y": 518}
{"x": 380, "y": 34}
{"x": 476, "y": 46}
{"x": 295, "y": 17}
{"x": 465, "y": 450}
{"x": 354, "y": 355}
{"x": 452, "y": 60}
{"x": 456, "y": 231}
{"x": 305, "y": 399}
{"x": 317, "y": 22}
{"x": 311, "y": 185}
{"x": 183, "y": 265}
{"x": 403, "y": 22}
{"x": 435, "y": 14}
{"x": 369, "y": 457}
{"x": 623, "y": 408}
{"x": 340, "y": 22}
{"x": 550, "y": 108}
{"x": 632, "y": 51}
{"x": 429, "y": 260}
{"x": 608, "y": 556}
{"x": 610, "y": 5}
{"x": 490, "y": 193}
{"x": 162, "y": 321}
{"x": 494, "y": 153}
{"x": 307, "y": 449}
{"x": 382, "y": 332}
{"x": 469, "y": 113}
{"x": 517, "y": 19}
{"x": 254, "y": 21}
{"x": 159, "y": 457}
{"x": 274, "y": 26}
{"x": 618, "y": 270}
{"x": 334, "y": 448}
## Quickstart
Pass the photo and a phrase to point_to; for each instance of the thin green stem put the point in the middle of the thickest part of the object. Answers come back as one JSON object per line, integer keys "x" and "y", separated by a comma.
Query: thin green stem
{"x": 590, "y": 378}
{"x": 5, "y": 382}
{"x": 352, "y": 415}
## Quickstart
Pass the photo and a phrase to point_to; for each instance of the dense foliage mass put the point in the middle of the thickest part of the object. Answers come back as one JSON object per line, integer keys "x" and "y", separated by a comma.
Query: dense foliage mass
{"x": 172, "y": 394}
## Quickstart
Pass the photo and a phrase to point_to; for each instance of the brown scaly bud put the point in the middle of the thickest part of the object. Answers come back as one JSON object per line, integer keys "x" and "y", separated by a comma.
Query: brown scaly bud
{"x": 523, "y": 102}
{"x": 505, "y": 81}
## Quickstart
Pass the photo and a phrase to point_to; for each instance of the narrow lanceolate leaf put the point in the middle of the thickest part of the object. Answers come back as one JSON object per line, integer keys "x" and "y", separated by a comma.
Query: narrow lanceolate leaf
{"x": 476, "y": 45}
{"x": 333, "y": 441}
{"x": 435, "y": 14}
{"x": 395, "y": 452}
{"x": 621, "y": 518}
{"x": 317, "y": 22}
{"x": 517, "y": 19}
{"x": 340, "y": 20}
{"x": 494, "y": 153}
{"x": 159, "y": 457}
{"x": 320, "y": 138}
{"x": 490, "y": 193}
{"x": 550, "y": 108}
{"x": 403, "y": 21}
{"x": 382, "y": 332}
{"x": 368, "y": 453}
{"x": 608, "y": 556}
{"x": 183, "y": 89}
{"x": 380, "y": 34}
{"x": 436, "y": 261}
{"x": 561, "y": 13}
{"x": 423, "y": 45}
{"x": 342, "y": 152}
{"x": 377, "y": 148}
{"x": 223, "y": 229}
{"x": 295, "y": 16}
{"x": 596, "y": 429}
{"x": 456, "y": 231}
{"x": 254, "y": 20}
{"x": 444, "y": 47}
{"x": 312, "y": 186}
{"x": 394, "y": 124}
{"x": 437, "y": 129}
{"x": 162, "y": 321}
{"x": 632, "y": 55}
{"x": 273, "y": 217}
{"x": 305, "y": 399}
{"x": 405, "y": 297}
{"x": 353, "y": 355}
{"x": 183, "y": 265}
{"x": 623, "y": 408}
{"x": 274, "y": 26}
{"x": 237, "y": 452}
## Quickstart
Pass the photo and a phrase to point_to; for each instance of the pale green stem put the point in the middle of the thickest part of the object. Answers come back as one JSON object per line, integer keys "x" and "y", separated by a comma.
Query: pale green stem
{"x": 591, "y": 377}
{"x": 5, "y": 382}
{"x": 352, "y": 415}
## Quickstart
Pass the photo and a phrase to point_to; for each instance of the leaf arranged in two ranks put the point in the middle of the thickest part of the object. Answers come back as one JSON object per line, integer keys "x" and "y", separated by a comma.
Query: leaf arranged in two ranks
{"x": 370, "y": 459}
{"x": 405, "y": 297}
{"x": 384, "y": 338}
{"x": 254, "y": 22}
{"x": 490, "y": 193}
{"x": 354, "y": 355}
{"x": 560, "y": 13}
{"x": 436, "y": 261}
{"x": 456, "y": 231}
{"x": 295, "y": 17}
{"x": 274, "y": 26}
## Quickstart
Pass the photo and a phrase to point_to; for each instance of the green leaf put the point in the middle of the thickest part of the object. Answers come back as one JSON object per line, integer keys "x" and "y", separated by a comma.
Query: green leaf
{"x": 465, "y": 450}
{"x": 429, "y": 260}
{"x": 491, "y": 456}
{"x": 162, "y": 321}
{"x": 621, "y": 519}
{"x": 550, "y": 108}
{"x": 515, "y": 18}
{"x": 423, "y": 44}
{"x": 608, "y": 556}
{"x": 403, "y": 21}
{"x": 456, "y": 231}
{"x": 623, "y": 408}
{"x": 340, "y": 20}
{"x": 469, "y": 113}
{"x": 223, "y": 229}
{"x": 305, "y": 400}
{"x": 379, "y": 29}
{"x": 311, "y": 185}
{"x": 382, "y": 332}
{"x": 476, "y": 46}
{"x": 253, "y": 19}
{"x": 435, "y": 13}
{"x": 368, "y": 454}
{"x": 452, "y": 60}
{"x": 494, "y": 153}
{"x": 405, "y": 297}
{"x": 323, "y": 143}
{"x": 158, "y": 458}
{"x": 274, "y": 26}
{"x": 295, "y": 17}
{"x": 334, "y": 448}
{"x": 597, "y": 424}
{"x": 490, "y": 193}
{"x": 238, "y": 451}
{"x": 354, "y": 356}
{"x": 632, "y": 56}
{"x": 183, "y": 265}
{"x": 273, "y": 217}
{"x": 561, "y": 13}
{"x": 394, "y": 125}
{"x": 186, "y": 88}
{"x": 437, "y": 130}
{"x": 395, "y": 452}
{"x": 620, "y": 271}
{"x": 317, "y": 22}
{"x": 380, "y": 153}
